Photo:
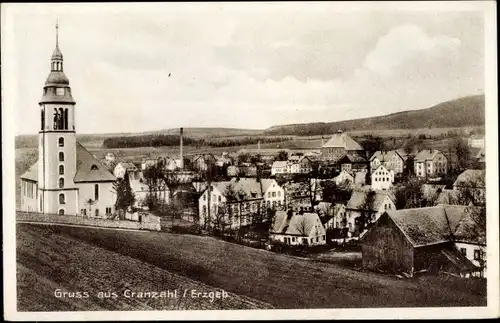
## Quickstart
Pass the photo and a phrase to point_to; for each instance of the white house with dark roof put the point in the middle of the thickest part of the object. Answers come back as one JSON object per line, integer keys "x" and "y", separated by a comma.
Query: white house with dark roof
{"x": 298, "y": 229}
{"x": 124, "y": 167}
{"x": 273, "y": 193}
{"x": 382, "y": 178}
{"x": 430, "y": 163}
{"x": 476, "y": 141}
{"x": 279, "y": 167}
{"x": 393, "y": 159}
{"x": 66, "y": 179}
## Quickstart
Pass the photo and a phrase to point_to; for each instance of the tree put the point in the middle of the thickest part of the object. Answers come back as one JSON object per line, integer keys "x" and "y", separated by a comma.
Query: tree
{"x": 410, "y": 195}
{"x": 366, "y": 212}
{"x": 243, "y": 158}
{"x": 462, "y": 153}
{"x": 282, "y": 155}
{"x": 125, "y": 197}
{"x": 302, "y": 226}
{"x": 254, "y": 159}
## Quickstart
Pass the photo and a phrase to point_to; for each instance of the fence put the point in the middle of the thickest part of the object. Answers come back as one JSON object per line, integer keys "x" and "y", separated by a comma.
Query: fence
{"x": 148, "y": 221}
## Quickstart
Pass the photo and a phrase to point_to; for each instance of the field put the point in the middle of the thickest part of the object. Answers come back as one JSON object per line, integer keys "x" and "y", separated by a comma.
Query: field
{"x": 47, "y": 261}
{"x": 74, "y": 257}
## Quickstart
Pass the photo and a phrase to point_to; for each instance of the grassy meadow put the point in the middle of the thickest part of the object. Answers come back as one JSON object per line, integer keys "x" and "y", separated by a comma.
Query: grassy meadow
{"x": 96, "y": 259}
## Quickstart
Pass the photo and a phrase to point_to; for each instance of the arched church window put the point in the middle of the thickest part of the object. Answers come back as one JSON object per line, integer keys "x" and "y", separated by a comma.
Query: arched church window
{"x": 65, "y": 119}
{"x": 93, "y": 167}
{"x": 96, "y": 192}
{"x": 62, "y": 199}
{"x": 61, "y": 142}
{"x": 61, "y": 212}
{"x": 42, "y": 119}
{"x": 61, "y": 169}
{"x": 61, "y": 118}
{"x": 61, "y": 182}
{"x": 61, "y": 156}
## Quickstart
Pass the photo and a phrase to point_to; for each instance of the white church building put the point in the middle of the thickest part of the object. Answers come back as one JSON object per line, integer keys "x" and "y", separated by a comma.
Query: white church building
{"x": 66, "y": 179}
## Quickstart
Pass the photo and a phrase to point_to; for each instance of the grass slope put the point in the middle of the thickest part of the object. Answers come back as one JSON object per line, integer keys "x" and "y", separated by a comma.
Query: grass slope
{"x": 47, "y": 260}
{"x": 279, "y": 280}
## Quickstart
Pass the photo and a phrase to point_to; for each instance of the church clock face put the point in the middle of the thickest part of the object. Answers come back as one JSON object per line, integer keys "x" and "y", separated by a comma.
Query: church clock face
{"x": 60, "y": 91}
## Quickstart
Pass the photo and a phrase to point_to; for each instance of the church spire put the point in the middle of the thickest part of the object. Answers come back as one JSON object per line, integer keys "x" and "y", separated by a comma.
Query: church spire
{"x": 57, "y": 33}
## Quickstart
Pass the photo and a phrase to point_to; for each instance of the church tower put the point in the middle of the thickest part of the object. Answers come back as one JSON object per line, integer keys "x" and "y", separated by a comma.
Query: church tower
{"x": 57, "y": 142}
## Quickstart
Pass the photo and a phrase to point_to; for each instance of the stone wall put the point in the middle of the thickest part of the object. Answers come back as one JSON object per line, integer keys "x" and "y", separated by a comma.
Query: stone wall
{"x": 149, "y": 222}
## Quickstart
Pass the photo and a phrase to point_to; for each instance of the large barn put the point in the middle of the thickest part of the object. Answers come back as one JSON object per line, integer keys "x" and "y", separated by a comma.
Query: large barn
{"x": 446, "y": 238}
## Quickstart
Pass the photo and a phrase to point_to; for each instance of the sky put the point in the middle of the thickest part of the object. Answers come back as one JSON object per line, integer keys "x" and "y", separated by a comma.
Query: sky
{"x": 243, "y": 66}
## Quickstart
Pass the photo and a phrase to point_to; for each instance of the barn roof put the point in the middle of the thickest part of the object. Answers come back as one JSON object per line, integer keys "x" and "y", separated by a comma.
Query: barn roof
{"x": 426, "y": 154}
{"x": 437, "y": 224}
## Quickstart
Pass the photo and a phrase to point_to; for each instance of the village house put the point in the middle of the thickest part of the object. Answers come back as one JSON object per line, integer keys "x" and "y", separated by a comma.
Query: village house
{"x": 299, "y": 165}
{"x": 338, "y": 146}
{"x": 430, "y": 163}
{"x": 223, "y": 160}
{"x": 372, "y": 203}
{"x": 443, "y": 238}
{"x": 353, "y": 163}
{"x": 360, "y": 179}
{"x": 110, "y": 157}
{"x": 382, "y": 178}
{"x": 233, "y": 202}
{"x": 130, "y": 168}
{"x": 201, "y": 162}
{"x": 141, "y": 190}
{"x": 279, "y": 167}
{"x": 148, "y": 162}
{"x": 476, "y": 141}
{"x": 392, "y": 159}
{"x": 274, "y": 194}
{"x": 344, "y": 178}
{"x": 297, "y": 229}
{"x": 332, "y": 215}
{"x": 66, "y": 178}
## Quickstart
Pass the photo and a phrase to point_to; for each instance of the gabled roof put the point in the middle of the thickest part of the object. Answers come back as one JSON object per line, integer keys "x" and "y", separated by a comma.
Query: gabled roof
{"x": 471, "y": 177}
{"x": 128, "y": 166}
{"x": 352, "y": 158}
{"x": 89, "y": 169}
{"x": 358, "y": 198}
{"x": 32, "y": 173}
{"x": 342, "y": 140}
{"x": 301, "y": 225}
{"x": 426, "y": 154}
{"x": 437, "y": 224}
{"x": 267, "y": 183}
{"x": 388, "y": 155}
{"x": 250, "y": 186}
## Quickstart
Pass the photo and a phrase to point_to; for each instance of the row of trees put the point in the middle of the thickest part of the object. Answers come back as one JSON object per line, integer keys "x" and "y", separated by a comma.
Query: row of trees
{"x": 173, "y": 140}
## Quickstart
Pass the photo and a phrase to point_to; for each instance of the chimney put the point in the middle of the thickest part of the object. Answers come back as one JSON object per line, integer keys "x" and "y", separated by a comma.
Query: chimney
{"x": 322, "y": 141}
{"x": 181, "y": 162}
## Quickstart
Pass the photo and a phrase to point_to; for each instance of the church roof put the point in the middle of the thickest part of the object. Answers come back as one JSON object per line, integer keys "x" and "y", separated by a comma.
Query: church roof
{"x": 57, "y": 78}
{"x": 85, "y": 170}
{"x": 342, "y": 140}
{"x": 89, "y": 169}
{"x": 57, "y": 53}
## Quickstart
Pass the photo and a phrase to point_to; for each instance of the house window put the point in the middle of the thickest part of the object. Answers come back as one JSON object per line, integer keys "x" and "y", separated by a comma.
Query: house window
{"x": 204, "y": 197}
{"x": 61, "y": 182}
{"x": 93, "y": 167}
{"x": 268, "y": 194}
{"x": 108, "y": 210}
{"x": 463, "y": 251}
{"x": 84, "y": 211}
{"x": 477, "y": 254}
{"x": 61, "y": 169}
{"x": 204, "y": 210}
{"x": 220, "y": 198}
{"x": 61, "y": 142}
{"x": 96, "y": 192}
{"x": 61, "y": 199}
{"x": 279, "y": 193}
{"x": 293, "y": 239}
{"x": 317, "y": 239}
{"x": 274, "y": 194}
{"x": 61, "y": 212}
{"x": 96, "y": 212}
{"x": 61, "y": 156}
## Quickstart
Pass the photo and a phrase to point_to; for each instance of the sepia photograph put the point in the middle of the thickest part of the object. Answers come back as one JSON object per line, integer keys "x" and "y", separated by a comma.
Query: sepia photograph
{"x": 262, "y": 160}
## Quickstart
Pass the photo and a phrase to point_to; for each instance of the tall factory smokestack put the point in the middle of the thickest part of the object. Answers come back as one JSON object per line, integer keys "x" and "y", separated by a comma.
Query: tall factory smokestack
{"x": 181, "y": 161}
